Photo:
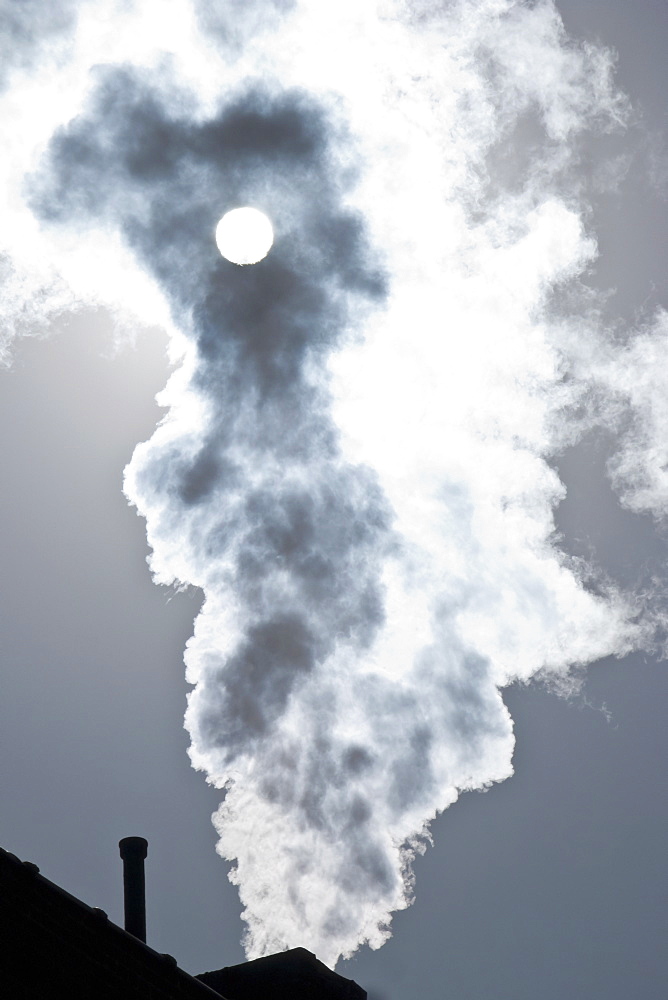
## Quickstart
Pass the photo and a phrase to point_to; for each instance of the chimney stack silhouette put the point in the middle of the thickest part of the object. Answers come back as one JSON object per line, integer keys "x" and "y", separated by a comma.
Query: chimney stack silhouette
{"x": 133, "y": 851}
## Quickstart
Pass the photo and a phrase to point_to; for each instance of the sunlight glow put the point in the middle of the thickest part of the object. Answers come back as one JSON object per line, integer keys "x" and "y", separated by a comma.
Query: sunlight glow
{"x": 244, "y": 235}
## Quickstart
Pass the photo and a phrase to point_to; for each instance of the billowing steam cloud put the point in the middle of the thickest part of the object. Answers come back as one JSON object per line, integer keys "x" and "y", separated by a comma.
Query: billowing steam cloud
{"x": 357, "y": 461}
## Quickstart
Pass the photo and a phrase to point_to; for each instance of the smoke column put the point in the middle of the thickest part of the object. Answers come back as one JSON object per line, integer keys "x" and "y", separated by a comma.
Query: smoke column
{"x": 357, "y": 461}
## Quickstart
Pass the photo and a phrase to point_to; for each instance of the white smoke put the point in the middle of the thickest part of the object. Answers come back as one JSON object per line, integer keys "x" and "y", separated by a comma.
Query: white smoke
{"x": 636, "y": 376}
{"x": 358, "y": 469}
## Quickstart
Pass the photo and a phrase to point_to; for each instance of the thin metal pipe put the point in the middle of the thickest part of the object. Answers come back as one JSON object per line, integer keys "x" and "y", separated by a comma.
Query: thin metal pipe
{"x": 133, "y": 851}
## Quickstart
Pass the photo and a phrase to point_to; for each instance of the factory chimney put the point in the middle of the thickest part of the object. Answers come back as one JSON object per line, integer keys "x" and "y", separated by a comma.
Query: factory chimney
{"x": 133, "y": 851}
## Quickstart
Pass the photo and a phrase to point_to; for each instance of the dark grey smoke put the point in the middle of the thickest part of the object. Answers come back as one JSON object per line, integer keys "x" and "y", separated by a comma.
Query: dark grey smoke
{"x": 260, "y": 335}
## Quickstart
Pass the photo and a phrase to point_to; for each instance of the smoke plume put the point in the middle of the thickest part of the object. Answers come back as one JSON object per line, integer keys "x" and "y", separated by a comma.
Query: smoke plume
{"x": 357, "y": 461}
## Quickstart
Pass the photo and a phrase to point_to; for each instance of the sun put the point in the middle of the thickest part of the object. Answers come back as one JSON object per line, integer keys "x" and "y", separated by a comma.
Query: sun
{"x": 244, "y": 235}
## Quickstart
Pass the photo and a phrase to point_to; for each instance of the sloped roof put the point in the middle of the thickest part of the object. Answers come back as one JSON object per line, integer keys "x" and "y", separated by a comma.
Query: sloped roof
{"x": 289, "y": 975}
{"x": 53, "y": 946}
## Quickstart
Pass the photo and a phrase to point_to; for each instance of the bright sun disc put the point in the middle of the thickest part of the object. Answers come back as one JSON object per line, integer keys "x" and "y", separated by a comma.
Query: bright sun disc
{"x": 244, "y": 235}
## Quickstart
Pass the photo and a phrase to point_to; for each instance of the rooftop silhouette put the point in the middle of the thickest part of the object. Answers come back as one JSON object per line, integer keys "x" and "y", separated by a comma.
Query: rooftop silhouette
{"x": 53, "y": 946}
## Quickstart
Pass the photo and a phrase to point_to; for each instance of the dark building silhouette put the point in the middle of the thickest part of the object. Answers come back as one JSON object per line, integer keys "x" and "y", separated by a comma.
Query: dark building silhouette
{"x": 290, "y": 975}
{"x": 53, "y": 946}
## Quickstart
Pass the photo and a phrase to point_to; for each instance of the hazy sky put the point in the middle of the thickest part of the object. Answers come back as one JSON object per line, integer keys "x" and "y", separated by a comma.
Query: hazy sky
{"x": 474, "y": 340}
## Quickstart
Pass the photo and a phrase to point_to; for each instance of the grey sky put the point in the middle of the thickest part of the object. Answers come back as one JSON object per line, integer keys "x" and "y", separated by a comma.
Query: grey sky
{"x": 548, "y": 884}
